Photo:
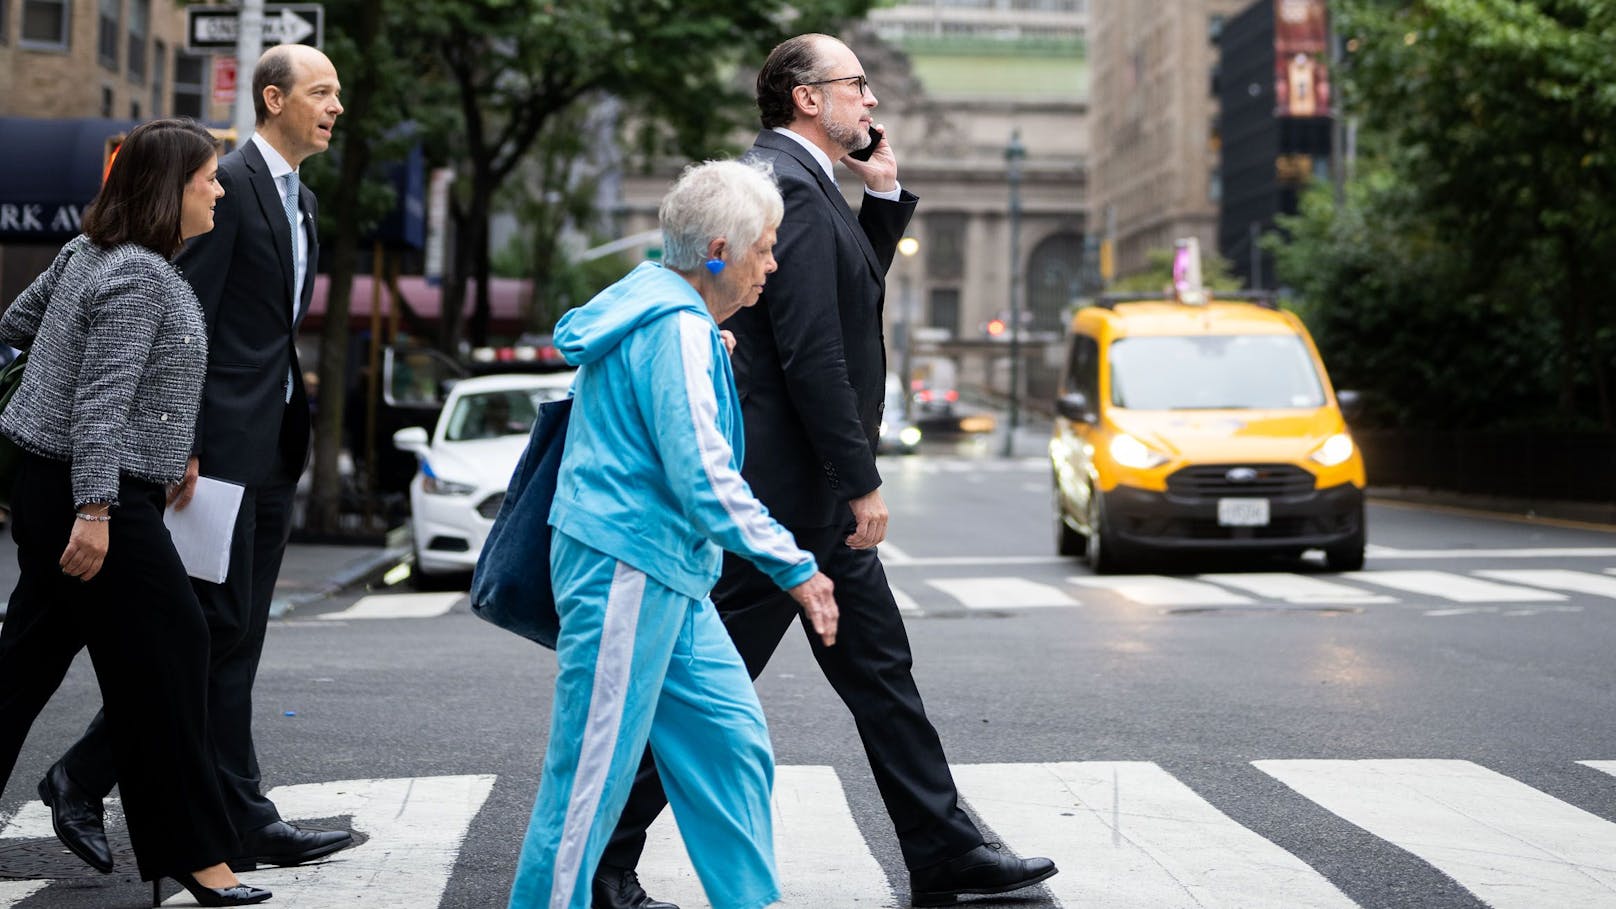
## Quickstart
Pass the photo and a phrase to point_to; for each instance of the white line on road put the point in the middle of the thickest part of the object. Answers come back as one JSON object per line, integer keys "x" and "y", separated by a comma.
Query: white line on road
{"x": 892, "y": 555}
{"x": 1456, "y": 587}
{"x": 1003, "y": 593}
{"x": 397, "y": 606}
{"x": 953, "y": 561}
{"x": 416, "y": 827}
{"x": 1130, "y": 836}
{"x": 1296, "y": 588}
{"x": 822, "y": 856}
{"x": 906, "y": 603}
{"x": 1558, "y": 579}
{"x": 1150, "y": 590}
{"x": 1374, "y": 552}
{"x": 1511, "y": 845}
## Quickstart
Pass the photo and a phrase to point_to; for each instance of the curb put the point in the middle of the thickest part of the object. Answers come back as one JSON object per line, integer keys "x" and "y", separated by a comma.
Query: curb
{"x": 358, "y": 573}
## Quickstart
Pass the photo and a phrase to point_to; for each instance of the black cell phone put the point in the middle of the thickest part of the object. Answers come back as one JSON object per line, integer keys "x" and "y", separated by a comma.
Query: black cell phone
{"x": 864, "y": 153}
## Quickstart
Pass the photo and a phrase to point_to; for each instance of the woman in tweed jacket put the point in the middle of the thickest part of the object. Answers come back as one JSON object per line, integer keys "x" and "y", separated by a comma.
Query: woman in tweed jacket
{"x": 105, "y": 416}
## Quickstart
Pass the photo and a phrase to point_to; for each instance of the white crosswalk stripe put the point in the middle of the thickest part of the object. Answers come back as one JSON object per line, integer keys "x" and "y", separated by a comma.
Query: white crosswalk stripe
{"x": 1002, "y": 593}
{"x": 1456, "y": 587}
{"x": 1150, "y": 590}
{"x": 1509, "y": 844}
{"x": 1558, "y": 579}
{"x": 1297, "y": 588}
{"x": 397, "y": 606}
{"x": 814, "y": 845}
{"x": 1134, "y": 837}
{"x": 1126, "y": 834}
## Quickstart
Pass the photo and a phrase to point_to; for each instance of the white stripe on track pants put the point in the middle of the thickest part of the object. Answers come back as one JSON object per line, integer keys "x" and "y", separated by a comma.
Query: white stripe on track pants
{"x": 640, "y": 662}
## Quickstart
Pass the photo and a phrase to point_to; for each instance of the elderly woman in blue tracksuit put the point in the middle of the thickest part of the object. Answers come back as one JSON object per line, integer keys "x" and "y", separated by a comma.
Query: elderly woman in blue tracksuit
{"x": 649, "y": 492}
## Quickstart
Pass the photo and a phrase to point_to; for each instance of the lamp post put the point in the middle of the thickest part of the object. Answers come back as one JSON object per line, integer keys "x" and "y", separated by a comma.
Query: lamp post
{"x": 908, "y": 246}
{"x": 1013, "y": 153}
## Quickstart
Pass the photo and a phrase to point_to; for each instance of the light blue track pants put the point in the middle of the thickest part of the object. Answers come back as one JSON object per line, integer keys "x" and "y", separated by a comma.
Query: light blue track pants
{"x": 640, "y": 662}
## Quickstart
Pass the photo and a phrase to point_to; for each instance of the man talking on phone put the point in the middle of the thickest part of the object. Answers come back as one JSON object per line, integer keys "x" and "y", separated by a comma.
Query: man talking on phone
{"x": 810, "y": 364}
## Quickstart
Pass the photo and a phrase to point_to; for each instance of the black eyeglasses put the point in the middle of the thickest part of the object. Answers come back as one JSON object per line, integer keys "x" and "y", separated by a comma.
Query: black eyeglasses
{"x": 860, "y": 82}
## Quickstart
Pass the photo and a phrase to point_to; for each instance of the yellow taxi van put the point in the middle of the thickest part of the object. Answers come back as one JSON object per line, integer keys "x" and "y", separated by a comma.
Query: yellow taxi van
{"x": 1208, "y": 426}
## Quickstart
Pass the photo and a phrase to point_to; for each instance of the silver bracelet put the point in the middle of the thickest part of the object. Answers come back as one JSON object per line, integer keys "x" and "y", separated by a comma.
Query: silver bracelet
{"x": 86, "y": 516}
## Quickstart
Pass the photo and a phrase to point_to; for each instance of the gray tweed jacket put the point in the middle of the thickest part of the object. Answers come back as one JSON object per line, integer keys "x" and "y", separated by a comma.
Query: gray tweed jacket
{"x": 117, "y": 354}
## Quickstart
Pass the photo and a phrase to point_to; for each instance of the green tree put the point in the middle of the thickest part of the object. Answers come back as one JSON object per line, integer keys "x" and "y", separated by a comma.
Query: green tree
{"x": 1157, "y": 275}
{"x": 1486, "y": 212}
{"x": 516, "y": 68}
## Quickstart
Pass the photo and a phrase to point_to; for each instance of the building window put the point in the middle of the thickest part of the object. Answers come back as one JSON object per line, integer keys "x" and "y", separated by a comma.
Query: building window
{"x": 1214, "y": 29}
{"x": 944, "y": 311}
{"x": 139, "y": 30}
{"x": 190, "y": 84}
{"x": 106, "y": 44}
{"x": 945, "y": 246}
{"x": 106, "y": 101}
{"x": 44, "y": 24}
{"x": 5, "y": 21}
{"x": 159, "y": 79}
{"x": 134, "y": 110}
{"x": 1214, "y": 186}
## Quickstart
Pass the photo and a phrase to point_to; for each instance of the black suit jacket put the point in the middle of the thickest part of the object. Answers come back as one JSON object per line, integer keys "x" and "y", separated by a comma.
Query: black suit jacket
{"x": 810, "y": 358}
{"x": 243, "y": 273}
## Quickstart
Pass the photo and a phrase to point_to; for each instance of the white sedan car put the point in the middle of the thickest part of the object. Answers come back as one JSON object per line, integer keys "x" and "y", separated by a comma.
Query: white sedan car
{"x": 466, "y": 464}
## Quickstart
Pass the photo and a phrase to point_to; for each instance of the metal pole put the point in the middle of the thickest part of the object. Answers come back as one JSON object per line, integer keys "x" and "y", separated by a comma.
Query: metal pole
{"x": 1013, "y": 155}
{"x": 249, "y": 45}
{"x": 908, "y": 346}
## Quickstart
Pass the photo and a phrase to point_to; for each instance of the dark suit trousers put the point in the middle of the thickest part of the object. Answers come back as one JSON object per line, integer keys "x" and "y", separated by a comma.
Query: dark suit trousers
{"x": 869, "y": 668}
{"x": 237, "y": 613}
{"x": 148, "y": 642}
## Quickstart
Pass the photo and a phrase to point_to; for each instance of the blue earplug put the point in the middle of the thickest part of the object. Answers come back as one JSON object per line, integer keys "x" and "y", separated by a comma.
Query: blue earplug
{"x": 715, "y": 265}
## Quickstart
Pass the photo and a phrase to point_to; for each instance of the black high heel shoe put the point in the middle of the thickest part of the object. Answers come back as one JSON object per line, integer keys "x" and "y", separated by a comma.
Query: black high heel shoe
{"x": 239, "y": 895}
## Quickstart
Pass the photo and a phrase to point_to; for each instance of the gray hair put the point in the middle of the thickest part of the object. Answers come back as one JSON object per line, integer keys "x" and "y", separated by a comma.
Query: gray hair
{"x": 735, "y": 200}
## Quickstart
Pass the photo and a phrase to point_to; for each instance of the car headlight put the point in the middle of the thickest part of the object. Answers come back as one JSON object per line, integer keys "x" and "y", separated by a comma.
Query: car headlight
{"x": 434, "y": 485}
{"x": 909, "y": 436}
{"x": 1335, "y": 450}
{"x": 1130, "y": 452}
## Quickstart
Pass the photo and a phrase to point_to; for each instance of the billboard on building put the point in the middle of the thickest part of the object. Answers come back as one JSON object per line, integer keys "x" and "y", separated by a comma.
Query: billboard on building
{"x": 1301, "y": 79}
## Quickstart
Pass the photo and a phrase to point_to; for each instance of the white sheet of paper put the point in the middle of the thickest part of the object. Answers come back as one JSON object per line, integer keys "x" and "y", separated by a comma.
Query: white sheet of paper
{"x": 203, "y": 529}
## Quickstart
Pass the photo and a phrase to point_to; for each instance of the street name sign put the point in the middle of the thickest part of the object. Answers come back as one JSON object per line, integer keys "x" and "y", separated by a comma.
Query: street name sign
{"x": 214, "y": 28}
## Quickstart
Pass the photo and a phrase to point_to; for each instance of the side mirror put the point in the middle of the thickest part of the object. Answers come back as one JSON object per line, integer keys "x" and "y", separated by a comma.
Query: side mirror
{"x": 1074, "y": 406}
{"x": 412, "y": 439}
{"x": 1351, "y": 403}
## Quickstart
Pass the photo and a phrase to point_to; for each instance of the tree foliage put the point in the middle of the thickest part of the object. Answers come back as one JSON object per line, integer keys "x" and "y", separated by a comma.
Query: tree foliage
{"x": 518, "y": 70}
{"x": 1462, "y": 281}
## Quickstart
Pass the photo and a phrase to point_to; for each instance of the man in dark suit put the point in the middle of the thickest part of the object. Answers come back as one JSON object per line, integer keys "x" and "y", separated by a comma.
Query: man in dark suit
{"x": 810, "y": 364}
{"x": 254, "y": 275}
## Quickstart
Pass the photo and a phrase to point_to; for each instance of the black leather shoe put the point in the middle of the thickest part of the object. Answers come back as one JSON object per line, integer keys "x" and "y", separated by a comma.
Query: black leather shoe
{"x": 619, "y": 888}
{"x": 985, "y": 869}
{"x": 280, "y": 843}
{"x": 76, "y": 818}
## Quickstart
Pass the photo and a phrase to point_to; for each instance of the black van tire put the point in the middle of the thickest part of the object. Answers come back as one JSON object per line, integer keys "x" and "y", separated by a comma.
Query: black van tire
{"x": 1068, "y": 542}
{"x": 1348, "y": 556}
{"x": 1106, "y": 555}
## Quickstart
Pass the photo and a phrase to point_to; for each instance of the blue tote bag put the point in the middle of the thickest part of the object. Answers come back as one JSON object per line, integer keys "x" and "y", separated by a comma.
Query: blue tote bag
{"x": 511, "y": 586}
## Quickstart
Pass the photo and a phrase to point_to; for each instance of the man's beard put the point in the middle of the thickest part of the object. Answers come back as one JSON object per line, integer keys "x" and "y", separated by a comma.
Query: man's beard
{"x": 849, "y": 138}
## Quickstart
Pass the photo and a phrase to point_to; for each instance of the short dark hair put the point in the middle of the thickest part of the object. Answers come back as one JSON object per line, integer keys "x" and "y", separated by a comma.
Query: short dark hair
{"x": 274, "y": 68}
{"x": 142, "y": 198}
{"x": 793, "y": 62}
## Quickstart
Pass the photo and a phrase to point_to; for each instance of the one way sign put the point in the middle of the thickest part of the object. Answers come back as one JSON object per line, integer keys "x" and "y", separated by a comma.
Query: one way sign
{"x": 214, "y": 28}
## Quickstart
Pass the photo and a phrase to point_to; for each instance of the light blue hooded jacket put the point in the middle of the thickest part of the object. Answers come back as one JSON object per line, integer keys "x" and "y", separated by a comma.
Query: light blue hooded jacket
{"x": 651, "y": 472}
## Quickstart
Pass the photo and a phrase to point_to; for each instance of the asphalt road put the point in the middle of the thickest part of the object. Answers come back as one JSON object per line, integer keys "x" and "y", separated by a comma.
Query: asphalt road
{"x": 1251, "y": 734}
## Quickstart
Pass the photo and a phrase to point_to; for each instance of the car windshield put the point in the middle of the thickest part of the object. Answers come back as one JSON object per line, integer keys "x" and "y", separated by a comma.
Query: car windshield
{"x": 1214, "y": 372}
{"x": 491, "y": 414}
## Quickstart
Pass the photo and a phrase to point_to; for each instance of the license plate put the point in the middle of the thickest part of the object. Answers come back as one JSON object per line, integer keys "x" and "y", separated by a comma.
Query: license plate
{"x": 1243, "y": 512}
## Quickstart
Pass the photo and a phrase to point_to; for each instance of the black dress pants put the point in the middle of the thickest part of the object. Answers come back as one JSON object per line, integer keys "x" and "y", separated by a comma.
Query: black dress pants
{"x": 237, "y": 614}
{"x": 869, "y": 667}
{"x": 148, "y": 642}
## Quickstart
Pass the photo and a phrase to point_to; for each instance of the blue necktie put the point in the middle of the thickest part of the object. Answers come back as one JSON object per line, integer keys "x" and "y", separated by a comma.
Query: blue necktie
{"x": 293, "y": 220}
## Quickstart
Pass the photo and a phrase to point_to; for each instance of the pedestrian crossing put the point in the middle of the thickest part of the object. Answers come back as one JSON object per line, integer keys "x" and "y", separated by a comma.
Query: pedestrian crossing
{"x": 919, "y": 591}
{"x": 1126, "y": 834}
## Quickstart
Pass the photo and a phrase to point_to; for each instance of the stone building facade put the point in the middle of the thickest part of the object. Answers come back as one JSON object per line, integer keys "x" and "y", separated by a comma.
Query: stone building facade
{"x": 1155, "y": 159}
